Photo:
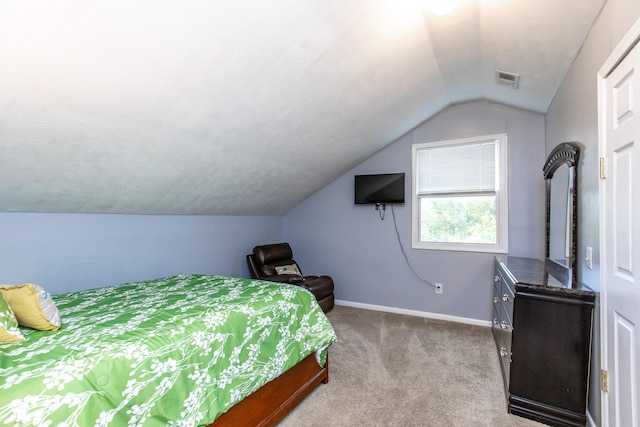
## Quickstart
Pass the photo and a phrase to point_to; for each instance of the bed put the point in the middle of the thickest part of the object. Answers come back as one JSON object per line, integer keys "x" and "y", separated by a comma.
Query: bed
{"x": 179, "y": 351}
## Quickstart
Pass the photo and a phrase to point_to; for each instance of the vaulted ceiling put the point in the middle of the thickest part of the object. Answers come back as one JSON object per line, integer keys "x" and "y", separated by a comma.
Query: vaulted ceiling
{"x": 246, "y": 108}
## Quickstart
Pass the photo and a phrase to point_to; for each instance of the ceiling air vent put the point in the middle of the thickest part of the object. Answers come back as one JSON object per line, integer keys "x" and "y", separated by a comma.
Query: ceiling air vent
{"x": 508, "y": 79}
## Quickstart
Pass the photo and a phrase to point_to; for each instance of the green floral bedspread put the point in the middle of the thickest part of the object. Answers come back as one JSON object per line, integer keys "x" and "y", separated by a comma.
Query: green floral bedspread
{"x": 177, "y": 351}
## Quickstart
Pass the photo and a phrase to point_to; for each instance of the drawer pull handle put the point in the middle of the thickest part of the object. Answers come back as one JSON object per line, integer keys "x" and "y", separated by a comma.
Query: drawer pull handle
{"x": 506, "y": 298}
{"x": 496, "y": 300}
{"x": 505, "y": 325}
{"x": 503, "y": 352}
{"x": 496, "y": 279}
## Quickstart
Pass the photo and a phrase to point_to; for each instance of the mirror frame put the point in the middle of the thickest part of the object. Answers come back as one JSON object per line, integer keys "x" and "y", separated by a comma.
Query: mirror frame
{"x": 568, "y": 154}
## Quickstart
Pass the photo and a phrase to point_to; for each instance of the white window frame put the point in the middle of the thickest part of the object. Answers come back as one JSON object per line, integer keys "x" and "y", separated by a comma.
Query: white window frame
{"x": 502, "y": 198}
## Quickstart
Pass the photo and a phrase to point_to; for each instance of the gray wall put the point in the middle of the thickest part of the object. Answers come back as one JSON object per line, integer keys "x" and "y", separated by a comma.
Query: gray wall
{"x": 573, "y": 116}
{"x": 66, "y": 252}
{"x": 331, "y": 235}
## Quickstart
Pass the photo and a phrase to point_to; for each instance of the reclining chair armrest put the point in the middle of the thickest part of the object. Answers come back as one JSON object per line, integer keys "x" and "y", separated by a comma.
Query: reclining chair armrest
{"x": 293, "y": 279}
{"x": 322, "y": 288}
{"x": 318, "y": 284}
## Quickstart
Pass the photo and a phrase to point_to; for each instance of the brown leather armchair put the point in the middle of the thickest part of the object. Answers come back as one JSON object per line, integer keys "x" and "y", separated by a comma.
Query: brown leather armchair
{"x": 275, "y": 263}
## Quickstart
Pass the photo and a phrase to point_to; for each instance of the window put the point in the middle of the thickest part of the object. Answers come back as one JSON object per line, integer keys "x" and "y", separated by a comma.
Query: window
{"x": 460, "y": 194}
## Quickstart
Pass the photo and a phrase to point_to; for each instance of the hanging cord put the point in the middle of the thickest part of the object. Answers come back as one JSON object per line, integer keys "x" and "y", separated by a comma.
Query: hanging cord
{"x": 381, "y": 211}
{"x": 395, "y": 224}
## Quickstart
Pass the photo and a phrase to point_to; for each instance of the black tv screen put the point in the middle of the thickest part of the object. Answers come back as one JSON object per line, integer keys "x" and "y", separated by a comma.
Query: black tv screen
{"x": 385, "y": 188}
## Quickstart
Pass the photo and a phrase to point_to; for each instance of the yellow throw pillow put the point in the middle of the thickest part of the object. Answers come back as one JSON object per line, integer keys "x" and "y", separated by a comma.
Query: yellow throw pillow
{"x": 33, "y": 306}
{"x": 9, "y": 331}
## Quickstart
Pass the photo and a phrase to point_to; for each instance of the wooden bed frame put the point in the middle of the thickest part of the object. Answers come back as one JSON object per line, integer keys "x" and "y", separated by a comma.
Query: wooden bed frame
{"x": 269, "y": 404}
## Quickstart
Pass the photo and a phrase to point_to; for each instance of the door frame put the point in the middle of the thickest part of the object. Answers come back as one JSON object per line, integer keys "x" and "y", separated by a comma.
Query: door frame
{"x": 620, "y": 52}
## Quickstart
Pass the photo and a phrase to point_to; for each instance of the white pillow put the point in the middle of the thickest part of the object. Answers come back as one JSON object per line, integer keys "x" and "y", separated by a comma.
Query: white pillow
{"x": 288, "y": 269}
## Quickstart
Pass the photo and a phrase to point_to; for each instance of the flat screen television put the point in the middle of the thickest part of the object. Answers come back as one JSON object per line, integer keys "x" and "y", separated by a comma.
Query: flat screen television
{"x": 387, "y": 188}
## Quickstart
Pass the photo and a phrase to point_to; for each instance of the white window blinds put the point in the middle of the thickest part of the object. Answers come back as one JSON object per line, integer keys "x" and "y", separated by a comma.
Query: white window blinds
{"x": 466, "y": 168}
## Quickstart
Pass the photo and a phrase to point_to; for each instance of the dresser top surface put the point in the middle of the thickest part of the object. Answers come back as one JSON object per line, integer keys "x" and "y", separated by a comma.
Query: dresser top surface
{"x": 532, "y": 272}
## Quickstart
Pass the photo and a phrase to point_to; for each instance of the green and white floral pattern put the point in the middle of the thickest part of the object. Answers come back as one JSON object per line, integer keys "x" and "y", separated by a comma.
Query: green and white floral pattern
{"x": 9, "y": 330}
{"x": 177, "y": 351}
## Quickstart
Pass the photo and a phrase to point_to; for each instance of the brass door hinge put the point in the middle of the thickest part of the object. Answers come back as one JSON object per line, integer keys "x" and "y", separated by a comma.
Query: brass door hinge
{"x": 603, "y": 168}
{"x": 604, "y": 379}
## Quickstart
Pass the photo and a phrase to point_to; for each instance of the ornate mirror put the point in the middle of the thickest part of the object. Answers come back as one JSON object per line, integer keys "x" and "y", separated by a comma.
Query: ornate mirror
{"x": 561, "y": 175}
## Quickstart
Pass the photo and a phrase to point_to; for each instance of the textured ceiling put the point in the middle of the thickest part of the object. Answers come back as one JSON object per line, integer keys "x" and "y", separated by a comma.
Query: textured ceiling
{"x": 246, "y": 108}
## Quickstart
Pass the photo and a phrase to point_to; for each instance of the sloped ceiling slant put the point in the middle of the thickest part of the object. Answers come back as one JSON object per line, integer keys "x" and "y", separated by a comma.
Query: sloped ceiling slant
{"x": 245, "y": 108}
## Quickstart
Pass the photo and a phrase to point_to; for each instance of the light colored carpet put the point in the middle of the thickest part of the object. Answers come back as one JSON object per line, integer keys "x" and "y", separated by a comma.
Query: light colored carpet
{"x": 396, "y": 370}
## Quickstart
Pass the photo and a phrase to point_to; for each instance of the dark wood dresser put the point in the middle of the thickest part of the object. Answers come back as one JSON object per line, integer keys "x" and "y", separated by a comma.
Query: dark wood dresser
{"x": 542, "y": 331}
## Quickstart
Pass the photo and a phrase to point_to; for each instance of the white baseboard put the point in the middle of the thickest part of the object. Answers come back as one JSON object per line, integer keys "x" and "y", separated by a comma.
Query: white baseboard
{"x": 416, "y": 313}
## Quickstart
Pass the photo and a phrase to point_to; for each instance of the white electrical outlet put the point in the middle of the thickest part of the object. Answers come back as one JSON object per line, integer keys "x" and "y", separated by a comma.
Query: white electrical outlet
{"x": 439, "y": 288}
{"x": 589, "y": 257}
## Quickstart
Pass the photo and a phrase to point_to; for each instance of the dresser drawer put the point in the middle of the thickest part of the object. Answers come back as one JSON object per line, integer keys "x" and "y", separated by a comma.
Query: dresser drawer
{"x": 502, "y": 336}
{"x": 497, "y": 295}
{"x": 507, "y": 330}
{"x": 497, "y": 283}
{"x": 507, "y": 302}
{"x": 506, "y": 292}
{"x": 495, "y": 326}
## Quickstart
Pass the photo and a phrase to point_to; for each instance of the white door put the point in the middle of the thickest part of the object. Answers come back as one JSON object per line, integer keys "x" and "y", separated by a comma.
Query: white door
{"x": 620, "y": 262}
